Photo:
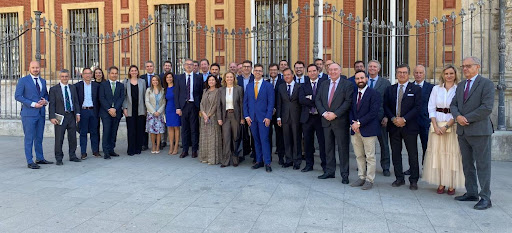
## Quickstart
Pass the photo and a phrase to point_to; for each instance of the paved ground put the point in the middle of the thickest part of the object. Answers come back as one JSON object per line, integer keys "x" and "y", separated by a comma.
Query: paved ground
{"x": 161, "y": 193}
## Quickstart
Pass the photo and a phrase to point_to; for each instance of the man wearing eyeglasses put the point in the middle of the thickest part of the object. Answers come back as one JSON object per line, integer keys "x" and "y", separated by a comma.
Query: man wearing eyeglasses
{"x": 248, "y": 142}
{"x": 471, "y": 107}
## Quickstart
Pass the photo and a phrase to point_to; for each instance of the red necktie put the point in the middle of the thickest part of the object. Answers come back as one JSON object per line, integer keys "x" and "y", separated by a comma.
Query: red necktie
{"x": 359, "y": 100}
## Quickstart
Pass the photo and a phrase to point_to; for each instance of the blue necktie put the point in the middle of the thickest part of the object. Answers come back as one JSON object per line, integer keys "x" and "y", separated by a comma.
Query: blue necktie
{"x": 371, "y": 84}
{"x": 38, "y": 87}
{"x": 289, "y": 91}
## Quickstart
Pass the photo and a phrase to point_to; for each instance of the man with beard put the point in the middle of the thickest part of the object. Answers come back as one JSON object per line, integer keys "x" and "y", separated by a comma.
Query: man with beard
{"x": 319, "y": 62}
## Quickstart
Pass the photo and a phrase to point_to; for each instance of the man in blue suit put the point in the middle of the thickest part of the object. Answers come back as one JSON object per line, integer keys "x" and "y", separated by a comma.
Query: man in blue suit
{"x": 188, "y": 91}
{"x": 402, "y": 103}
{"x": 88, "y": 102}
{"x": 111, "y": 98}
{"x": 258, "y": 109}
{"x": 319, "y": 62}
{"x": 365, "y": 126}
{"x": 31, "y": 92}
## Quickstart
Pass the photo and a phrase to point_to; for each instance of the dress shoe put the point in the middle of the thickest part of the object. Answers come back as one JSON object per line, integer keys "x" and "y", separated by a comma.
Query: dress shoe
{"x": 114, "y": 154}
{"x": 183, "y": 154}
{"x": 398, "y": 183}
{"x": 44, "y": 161}
{"x": 268, "y": 168}
{"x": 466, "y": 197}
{"x": 296, "y": 167}
{"x": 359, "y": 182}
{"x": 386, "y": 172}
{"x": 408, "y": 172}
{"x": 413, "y": 186}
{"x": 33, "y": 166}
{"x": 367, "y": 185}
{"x": 281, "y": 162}
{"x": 285, "y": 165}
{"x": 257, "y": 165}
{"x": 450, "y": 191}
{"x": 84, "y": 156}
{"x": 59, "y": 163}
{"x": 440, "y": 190}
{"x": 344, "y": 180}
{"x": 307, "y": 169}
{"x": 483, "y": 204}
{"x": 223, "y": 166}
{"x": 96, "y": 154}
{"x": 194, "y": 154}
{"x": 107, "y": 157}
{"x": 144, "y": 148}
{"x": 326, "y": 176}
{"x": 75, "y": 160}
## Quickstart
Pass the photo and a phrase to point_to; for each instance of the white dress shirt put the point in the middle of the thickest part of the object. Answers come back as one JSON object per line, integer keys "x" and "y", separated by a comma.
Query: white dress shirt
{"x": 440, "y": 98}
{"x": 87, "y": 95}
{"x": 191, "y": 97}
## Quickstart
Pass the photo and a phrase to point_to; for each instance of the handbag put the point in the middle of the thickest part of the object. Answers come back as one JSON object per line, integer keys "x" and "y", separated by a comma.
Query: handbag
{"x": 440, "y": 124}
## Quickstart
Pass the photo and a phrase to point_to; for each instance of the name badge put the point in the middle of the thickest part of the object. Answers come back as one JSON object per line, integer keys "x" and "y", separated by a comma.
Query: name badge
{"x": 410, "y": 94}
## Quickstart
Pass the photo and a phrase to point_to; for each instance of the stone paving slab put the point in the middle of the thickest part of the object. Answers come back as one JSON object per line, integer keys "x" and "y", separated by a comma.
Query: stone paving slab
{"x": 162, "y": 193}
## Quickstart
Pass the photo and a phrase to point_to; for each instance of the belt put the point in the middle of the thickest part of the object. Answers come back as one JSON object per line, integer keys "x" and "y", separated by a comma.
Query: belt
{"x": 443, "y": 110}
{"x": 314, "y": 114}
{"x": 230, "y": 110}
{"x": 87, "y": 107}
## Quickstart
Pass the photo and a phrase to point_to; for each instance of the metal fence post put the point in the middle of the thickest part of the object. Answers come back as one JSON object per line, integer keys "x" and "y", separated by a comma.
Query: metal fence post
{"x": 38, "y": 35}
{"x": 164, "y": 22}
{"x": 501, "y": 48}
{"x": 316, "y": 5}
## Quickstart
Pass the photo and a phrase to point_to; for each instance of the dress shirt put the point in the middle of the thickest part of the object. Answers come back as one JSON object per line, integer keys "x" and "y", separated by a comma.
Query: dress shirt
{"x": 229, "y": 98}
{"x": 191, "y": 97}
{"x": 420, "y": 84}
{"x": 275, "y": 79}
{"x": 362, "y": 92}
{"x": 246, "y": 81}
{"x": 440, "y": 98}
{"x": 330, "y": 86}
{"x": 320, "y": 75}
{"x": 300, "y": 79}
{"x": 149, "y": 77}
{"x": 374, "y": 81}
{"x": 33, "y": 104}
{"x": 205, "y": 76}
{"x": 260, "y": 82}
{"x": 471, "y": 83}
{"x": 398, "y": 92}
{"x": 63, "y": 88}
{"x": 316, "y": 81}
{"x": 87, "y": 95}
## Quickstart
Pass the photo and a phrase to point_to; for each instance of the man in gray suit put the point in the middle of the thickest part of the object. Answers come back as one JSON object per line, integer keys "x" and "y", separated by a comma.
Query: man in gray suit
{"x": 380, "y": 84}
{"x": 471, "y": 107}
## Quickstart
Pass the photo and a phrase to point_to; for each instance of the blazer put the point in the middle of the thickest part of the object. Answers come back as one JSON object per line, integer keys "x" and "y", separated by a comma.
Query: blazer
{"x": 26, "y": 93}
{"x": 147, "y": 82}
{"x": 381, "y": 86}
{"x": 107, "y": 100}
{"x": 324, "y": 75}
{"x": 411, "y": 107}
{"x": 95, "y": 90}
{"x": 306, "y": 103}
{"x": 261, "y": 108}
{"x": 278, "y": 82}
{"x": 296, "y": 81}
{"x": 57, "y": 101}
{"x": 238, "y": 101}
{"x": 423, "y": 119}
{"x": 288, "y": 108}
{"x": 240, "y": 80}
{"x": 180, "y": 90}
{"x": 340, "y": 105}
{"x": 367, "y": 113}
{"x": 127, "y": 103}
{"x": 476, "y": 108}
{"x": 150, "y": 101}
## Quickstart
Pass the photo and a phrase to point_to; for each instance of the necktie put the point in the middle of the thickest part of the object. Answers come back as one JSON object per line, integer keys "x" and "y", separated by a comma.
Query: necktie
{"x": 274, "y": 83}
{"x": 289, "y": 91}
{"x": 399, "y": 104}
{"x": 38, "y": 87}
{"x": 68, "y": 102}
{"x": 188, "y": 87}
{"x": 149, "y": 80}
{"x": 313, "y": 109}
{"x": 256, "y": 90}
{"x": 372, "y": 81}
{"x": 359, "y": 101}
{"x": 466, "y": 91}
{"x": 331, "y": 94}
{"x": 113, "y": 86}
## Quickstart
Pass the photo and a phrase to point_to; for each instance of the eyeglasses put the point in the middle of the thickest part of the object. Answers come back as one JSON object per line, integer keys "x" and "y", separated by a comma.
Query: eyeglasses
{"x": 257, "y": 70}
{"x": 402, "y": 72}
{"x": 467, "y": 66}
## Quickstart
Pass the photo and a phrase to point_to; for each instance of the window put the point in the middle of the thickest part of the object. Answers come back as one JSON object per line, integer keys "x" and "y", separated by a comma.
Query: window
{"x": 178, "y": 36}
{"x": 9, "y": 46}
{"x": 273, "y": 37}
{"x": 84, "y": 43}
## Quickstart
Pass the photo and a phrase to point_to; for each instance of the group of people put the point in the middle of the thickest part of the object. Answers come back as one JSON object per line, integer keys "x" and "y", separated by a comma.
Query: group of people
{"x": 224, "y": 118}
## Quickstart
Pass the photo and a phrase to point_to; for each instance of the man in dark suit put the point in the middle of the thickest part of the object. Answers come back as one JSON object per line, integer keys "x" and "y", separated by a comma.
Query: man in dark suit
{"x": 111, "y": 101}
{"x": 64, "y": 101}
{"x": 381, "y": 84}
{"x": 327, "y": 64}
{"x": 188, "y": 91}
{"x": 365, "y": 126}
{"x": 402, "y": 103}
{"x": 333, "y": 104}
{"x": 32, "y": 94}
{"x": 215, "y": 71}
{"x": 358, "y": 66}
{"x": 258, "y": 109}
{"x": 423, "y": 119}
{"x": 246, "y": 139}
{"x": 299, "y": 72}
{"x": 310, "y": 119}
{"x": 88, "y": 103}
{"x": 204, "y": 69}
{"x": 471, "y": 107}
{"x": 288, "y": 117}
{"x": 276, "y": 81}
{"x": 319, "y": 62}
{"x": 283, "y": 64}
{"x": 150, "y": 72}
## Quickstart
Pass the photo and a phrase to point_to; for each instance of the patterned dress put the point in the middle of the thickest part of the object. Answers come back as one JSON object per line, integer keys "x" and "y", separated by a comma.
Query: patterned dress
{"x": 210, "y": 139}
{"x": 156, "y": 124}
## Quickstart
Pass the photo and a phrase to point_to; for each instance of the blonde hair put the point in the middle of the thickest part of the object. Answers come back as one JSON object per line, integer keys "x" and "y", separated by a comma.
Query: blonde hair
{"x": 235, "y": 81}
{"x": 449, "y": 66}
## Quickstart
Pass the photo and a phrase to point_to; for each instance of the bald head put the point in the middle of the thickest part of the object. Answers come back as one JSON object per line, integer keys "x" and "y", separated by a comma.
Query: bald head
{"x": 34, "y": 68}
{"x": 419, "y": 73}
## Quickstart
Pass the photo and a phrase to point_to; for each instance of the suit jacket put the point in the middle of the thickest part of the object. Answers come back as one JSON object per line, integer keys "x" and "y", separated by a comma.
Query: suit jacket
{"x": 180, "y": 90}
{"x": 107, "y": 100}
{"x": 367, "y": 113}
{"x": 476, "y": 108}
{"x": 307, "y": 104}
{"x": 261, "y": 108}
{"x": 240, "y": 80}
{"x": 340, "y": 105}
{"x": 57, "y": 101}
{"x": 288, "y": 108}
{"x": 95, "y": 90}
{"x": 295, "y": 78}
{"x": 411, "y": 107}
{"x": 324, "y": 75}
{"x": 381, "y": 86}
{"x": 147, "y": 82}
{"x": 278, "y": 82}
{"x": 238, "y": 101}
{"x": 423, "y": 119}
{"x": 127, "y": 103}
{"x": 26, "y": 93}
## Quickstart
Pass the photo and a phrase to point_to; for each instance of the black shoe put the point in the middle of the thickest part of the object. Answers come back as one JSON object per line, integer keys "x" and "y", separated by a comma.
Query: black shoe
{"x": 33, "y": 166}
{"x": 183, "y": 154}
{"x": 59, "y": 163}
{"x": 386, "y": 172}
{"x": 398, "y": 183}
{"x": 144, "y": 148}
{"x": 326, "y": 176}
{"x": 97, "y": 154}
{"x": 268, "y": 168}
{"x": 285, "y": 165}
{"x": 408, "y": 172}
{"x": 483, "y": 204}
{"x": 44, "y": 161}
{"x": 344, "y": 180}
{"x": 413, "y": 186}
{"x": 307, "y": 169}
{"x": 296, "y": 167}
{"x": 257, "y": 165}
{"x": 107, "y": 157}
{"x": 466, "y": 197}
{"x": 84, "y": 156}
{"x": 281, "y": 162}
{"x": 114, "y": 154}
{"x": 75, "y": 160}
